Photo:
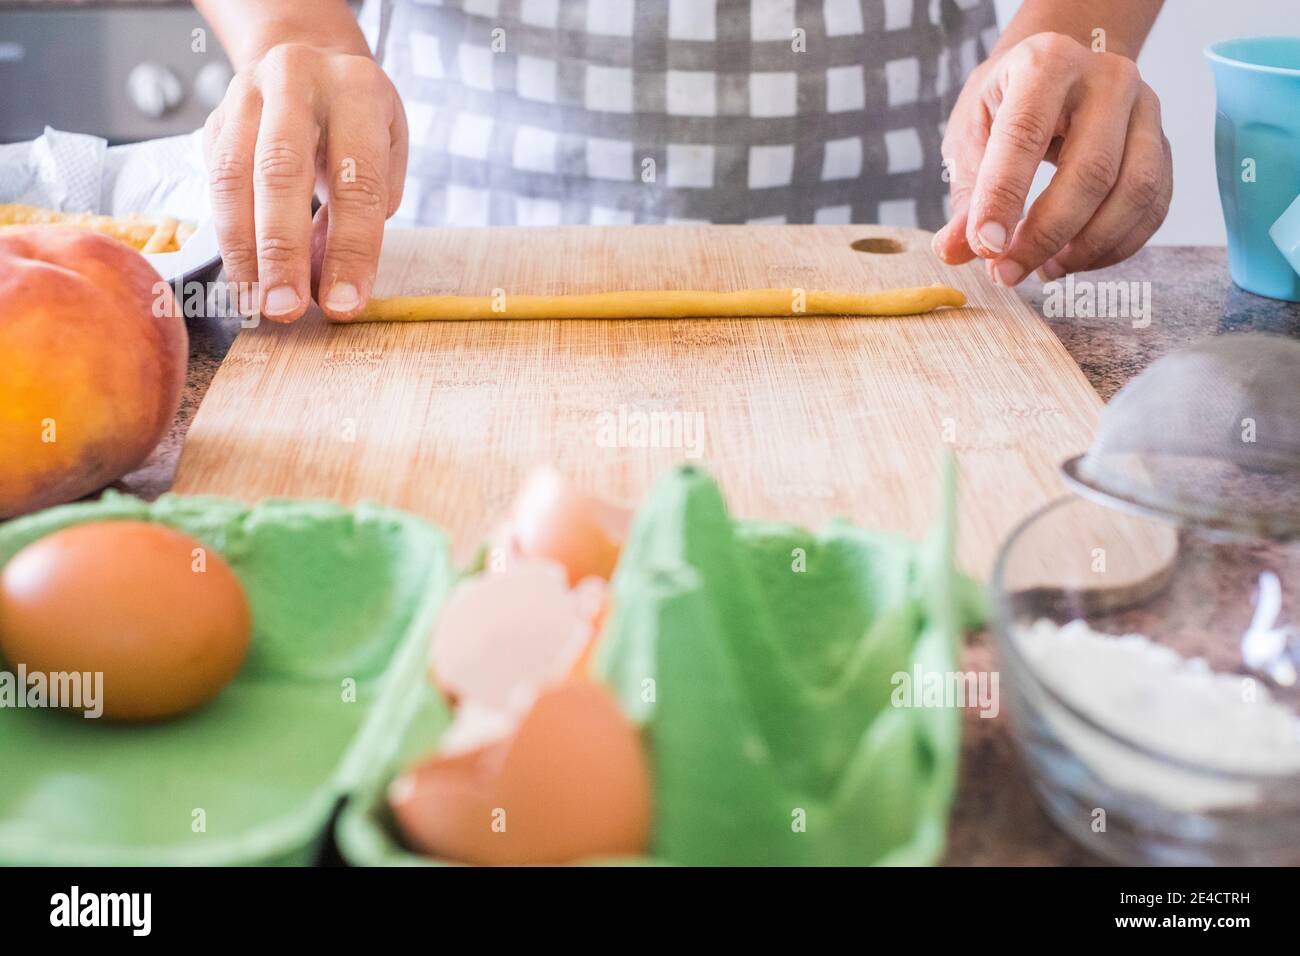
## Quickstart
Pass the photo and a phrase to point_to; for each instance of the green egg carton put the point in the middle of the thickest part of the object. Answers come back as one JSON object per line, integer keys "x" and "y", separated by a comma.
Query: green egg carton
{"x": 342, "y": 603}
{"x": 760, "y": 661}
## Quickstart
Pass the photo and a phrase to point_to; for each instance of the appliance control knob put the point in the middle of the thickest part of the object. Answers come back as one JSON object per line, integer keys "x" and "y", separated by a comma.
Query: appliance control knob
{"x": 154, "y": 90}
{"x": 210, "y": 83}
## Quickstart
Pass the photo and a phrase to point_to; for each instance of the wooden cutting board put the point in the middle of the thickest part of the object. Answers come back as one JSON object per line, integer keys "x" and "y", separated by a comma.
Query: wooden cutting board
{"x": 801, "y": 419}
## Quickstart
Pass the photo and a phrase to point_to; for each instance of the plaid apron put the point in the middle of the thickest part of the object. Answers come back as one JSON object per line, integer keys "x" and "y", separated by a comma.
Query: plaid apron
{"x": 540, "y": 112}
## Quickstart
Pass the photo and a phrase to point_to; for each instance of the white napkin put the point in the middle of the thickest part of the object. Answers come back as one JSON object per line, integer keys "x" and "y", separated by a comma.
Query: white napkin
{"x": 72, "y": 172}
{"x": 57, "y": 171}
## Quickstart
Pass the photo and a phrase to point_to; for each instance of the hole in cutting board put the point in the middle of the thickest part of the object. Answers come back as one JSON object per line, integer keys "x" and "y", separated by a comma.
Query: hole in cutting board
{"x": 878, "y": 245}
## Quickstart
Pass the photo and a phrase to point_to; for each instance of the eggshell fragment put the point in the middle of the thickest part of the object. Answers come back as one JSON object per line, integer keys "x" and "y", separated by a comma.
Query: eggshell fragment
{"x": 572, "y": 782}
{"x": 582, "y": 665}
{"x": 475, "y": 726}
{"x": 501, "y": 636}
{"x": 555, "y": 521}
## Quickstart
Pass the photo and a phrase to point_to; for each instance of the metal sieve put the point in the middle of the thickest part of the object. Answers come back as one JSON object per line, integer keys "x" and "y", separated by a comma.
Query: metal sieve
{"x": 1209, "y": 434}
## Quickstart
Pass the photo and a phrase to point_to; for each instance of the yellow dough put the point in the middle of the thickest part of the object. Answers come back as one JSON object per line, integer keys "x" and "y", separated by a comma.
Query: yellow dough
{"x": 671, "y": 304}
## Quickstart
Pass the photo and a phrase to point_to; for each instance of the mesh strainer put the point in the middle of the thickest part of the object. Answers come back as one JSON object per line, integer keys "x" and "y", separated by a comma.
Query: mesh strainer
{"x": 1209, "y": 434}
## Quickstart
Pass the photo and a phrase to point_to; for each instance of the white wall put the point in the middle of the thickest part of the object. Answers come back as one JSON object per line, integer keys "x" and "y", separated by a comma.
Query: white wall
{"x": 1173, "y": 64}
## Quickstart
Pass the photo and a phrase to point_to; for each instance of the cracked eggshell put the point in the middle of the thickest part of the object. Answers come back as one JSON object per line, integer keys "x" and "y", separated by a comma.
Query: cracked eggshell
{"x": 554, "y": 521}
{"x": 501, "y": 636}
{"x": 572, "y": 782}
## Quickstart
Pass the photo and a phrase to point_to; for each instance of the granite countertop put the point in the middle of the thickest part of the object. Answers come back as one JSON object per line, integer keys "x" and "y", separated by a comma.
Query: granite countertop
{"x": 996, "y": 820}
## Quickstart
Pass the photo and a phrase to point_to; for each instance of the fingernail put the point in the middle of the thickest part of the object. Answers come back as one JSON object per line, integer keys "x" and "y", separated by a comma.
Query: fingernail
{"x": 1052, "y": 270}
{"x": 1009, "y": 272}
{"x": 342, "y": 297}
{"x": 280, "y": 300}
{"x": 993, "y": 236}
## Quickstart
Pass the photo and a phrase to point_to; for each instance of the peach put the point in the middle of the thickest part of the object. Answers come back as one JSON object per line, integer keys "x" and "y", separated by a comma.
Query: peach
{"x": 92, "y": 363}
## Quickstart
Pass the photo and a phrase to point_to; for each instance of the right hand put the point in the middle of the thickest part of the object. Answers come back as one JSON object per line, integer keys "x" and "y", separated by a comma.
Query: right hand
{"x": 297, "y": 120}
{"x": 1050, "y": 97}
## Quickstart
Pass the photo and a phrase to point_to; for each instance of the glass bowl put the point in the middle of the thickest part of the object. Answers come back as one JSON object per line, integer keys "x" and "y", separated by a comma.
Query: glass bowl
{"x": 1179, "y": 747}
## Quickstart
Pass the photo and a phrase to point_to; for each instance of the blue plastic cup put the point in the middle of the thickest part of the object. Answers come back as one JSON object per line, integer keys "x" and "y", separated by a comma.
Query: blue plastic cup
{"x": 1257, "y": 154}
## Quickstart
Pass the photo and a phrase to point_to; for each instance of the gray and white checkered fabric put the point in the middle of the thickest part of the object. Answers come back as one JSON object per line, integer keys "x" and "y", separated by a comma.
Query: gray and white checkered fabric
{"x": 620, "y": 111}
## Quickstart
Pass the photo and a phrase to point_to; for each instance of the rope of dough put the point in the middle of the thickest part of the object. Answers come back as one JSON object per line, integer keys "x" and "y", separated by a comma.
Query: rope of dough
{"x": 669, "y": 304}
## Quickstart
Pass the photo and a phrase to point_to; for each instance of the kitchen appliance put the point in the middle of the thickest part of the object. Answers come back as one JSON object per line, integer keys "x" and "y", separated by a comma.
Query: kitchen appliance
{"x": 125, "y": 72}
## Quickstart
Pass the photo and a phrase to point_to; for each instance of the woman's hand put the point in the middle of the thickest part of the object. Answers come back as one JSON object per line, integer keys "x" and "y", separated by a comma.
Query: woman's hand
{"x": 1050, "y": 97}
{"x": 300, "y": 119}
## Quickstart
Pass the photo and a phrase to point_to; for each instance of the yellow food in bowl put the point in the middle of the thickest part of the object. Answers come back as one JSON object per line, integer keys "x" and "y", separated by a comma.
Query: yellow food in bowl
{"x": 142, "y": 233}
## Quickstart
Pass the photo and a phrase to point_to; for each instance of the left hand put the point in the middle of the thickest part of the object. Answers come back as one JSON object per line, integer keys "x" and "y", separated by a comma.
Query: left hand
{"x": 1050, "y": 97}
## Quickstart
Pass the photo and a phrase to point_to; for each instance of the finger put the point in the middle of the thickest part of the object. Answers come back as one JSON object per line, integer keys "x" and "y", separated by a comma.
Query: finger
{"x": 1022, "y": 130}
{"x": 399, "y": 138}
{"x": 949, "y": 243}
{"x": 212, "y": 132}
{"x": 231, "y": 136}
{"x": 358, "y": 154}
{"x": 284, "y": 175}
{"x": 1146, "y": 228}
{"x": 961, "y": 163}
{"x": 1088, "y": 168}
{"x": 1136, "y": 206}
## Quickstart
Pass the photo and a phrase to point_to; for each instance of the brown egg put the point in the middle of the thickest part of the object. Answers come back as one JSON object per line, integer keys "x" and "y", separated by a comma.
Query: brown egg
{"x": 554, "y": 521}
{"x": 161, "y": 616}
{"x": 572, "y": 782}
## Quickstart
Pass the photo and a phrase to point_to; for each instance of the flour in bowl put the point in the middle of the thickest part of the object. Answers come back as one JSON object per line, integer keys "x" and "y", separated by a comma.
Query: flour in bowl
{"x": 1168, "y": 703}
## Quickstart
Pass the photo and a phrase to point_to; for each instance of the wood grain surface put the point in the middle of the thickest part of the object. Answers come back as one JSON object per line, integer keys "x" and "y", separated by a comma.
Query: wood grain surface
{"x": 801, "y": 420}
